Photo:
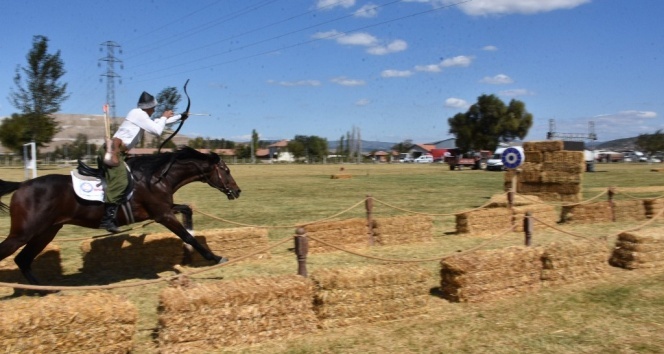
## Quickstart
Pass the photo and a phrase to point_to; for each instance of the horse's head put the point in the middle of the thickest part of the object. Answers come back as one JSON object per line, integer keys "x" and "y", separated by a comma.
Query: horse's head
{"x": 219, "y": 177}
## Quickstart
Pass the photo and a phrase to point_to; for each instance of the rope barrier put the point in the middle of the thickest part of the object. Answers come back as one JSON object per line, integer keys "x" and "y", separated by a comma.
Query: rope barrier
{"x": 283, "y": 226}
{"x": 145, "y": 282}
{"x": 432, "y": 214}
{"x": 491, "y": 239}
{"x": 525, "y": 196}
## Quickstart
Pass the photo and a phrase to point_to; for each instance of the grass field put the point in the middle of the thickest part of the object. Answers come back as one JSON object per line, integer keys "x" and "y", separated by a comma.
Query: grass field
{"x": 622, "y": 314}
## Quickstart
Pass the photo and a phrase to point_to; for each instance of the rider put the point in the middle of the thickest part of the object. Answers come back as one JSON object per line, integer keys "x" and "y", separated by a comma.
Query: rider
{"x": 128, "y": 135}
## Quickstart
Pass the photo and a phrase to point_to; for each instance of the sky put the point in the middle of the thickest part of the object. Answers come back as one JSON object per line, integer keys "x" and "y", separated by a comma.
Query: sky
{"x": 397, "y": 70}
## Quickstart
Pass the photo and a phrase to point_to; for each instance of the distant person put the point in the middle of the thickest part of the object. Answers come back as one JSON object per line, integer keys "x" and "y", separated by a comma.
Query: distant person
{"x": 128, "y": 135}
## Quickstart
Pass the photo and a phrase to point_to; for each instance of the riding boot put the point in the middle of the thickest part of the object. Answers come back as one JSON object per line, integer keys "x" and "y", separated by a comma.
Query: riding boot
{"x": 108, "y": 221}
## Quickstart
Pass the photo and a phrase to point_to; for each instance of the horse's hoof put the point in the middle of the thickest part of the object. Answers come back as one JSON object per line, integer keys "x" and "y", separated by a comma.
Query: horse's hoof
{"x": 222, "y": 260}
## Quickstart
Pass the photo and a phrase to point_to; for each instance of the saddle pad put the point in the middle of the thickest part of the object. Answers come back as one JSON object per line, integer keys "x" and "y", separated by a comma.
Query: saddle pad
{"x": 88, "y": 188}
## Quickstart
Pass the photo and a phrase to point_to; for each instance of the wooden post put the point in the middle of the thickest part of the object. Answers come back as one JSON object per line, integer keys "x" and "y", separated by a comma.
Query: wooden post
{"x": 510, "y": 198}
{"x": 368, "y": 204}
{"x": 611, "y": 204}
{"x": 528, "y": 227}
{"x": 301, "y": 251}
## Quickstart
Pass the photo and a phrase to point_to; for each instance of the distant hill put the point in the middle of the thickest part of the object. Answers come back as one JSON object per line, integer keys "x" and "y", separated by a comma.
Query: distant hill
{"x": 618, "y": 144}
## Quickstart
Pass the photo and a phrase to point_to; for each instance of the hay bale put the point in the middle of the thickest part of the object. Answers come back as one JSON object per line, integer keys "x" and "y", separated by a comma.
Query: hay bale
{"x": 233, "y": 243}
{"x": 500, "y": 200}
{"x": 403, "y": 229}
{"x": 624, "y": 210}
{"x": 206, "y": 317}
{"x": 47, "y": 266}
{"x": 94, "y": 322}
{"x": 543, "y": 146}
{"x": 490, "y": 274}
{"x": 653, "y": 206}
{"x": 138, "y": 255}
{"x": 368, "y": 294}
{"x": 573, "y": 261}
{"x": 350, "y": 233}
{"x": 483, "y": 221}
{"x": 543, "y": 212}
{"x": 639, "y": 249}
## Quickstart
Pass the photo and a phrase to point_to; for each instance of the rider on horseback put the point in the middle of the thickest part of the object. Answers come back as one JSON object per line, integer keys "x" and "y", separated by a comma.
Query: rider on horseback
{"x": 128, "y": 135}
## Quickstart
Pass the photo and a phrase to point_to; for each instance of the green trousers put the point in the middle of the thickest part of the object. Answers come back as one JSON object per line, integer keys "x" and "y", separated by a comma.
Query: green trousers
{"x": 116, "y": 180}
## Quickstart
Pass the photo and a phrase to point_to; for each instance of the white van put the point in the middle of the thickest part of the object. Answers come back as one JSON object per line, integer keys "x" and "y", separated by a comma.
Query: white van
{"x": 495, "y": 163}
{"x": 424, "y": 159}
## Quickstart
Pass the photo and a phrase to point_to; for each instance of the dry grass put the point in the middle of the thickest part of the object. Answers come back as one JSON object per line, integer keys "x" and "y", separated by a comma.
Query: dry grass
{"x": 623, "y": 312}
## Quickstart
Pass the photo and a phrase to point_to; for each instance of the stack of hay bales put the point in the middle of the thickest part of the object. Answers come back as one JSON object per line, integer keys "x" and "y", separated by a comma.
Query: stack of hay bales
{"x": 574, "y": 261}
{"x": 490, "y": 274}
{"x": 351, "y": 233}
{"x": 46, "y": 266}
{"x": 653, "y": 206}
{"x": 90, "y": 323}
{"x": 497, "y": 216}
{"x": 639, "y": 249}
{"x": 203, "y": 318}
{"x": 233, "y": 243}
{"x": 359, "y": 295}
{"x": 549, "y": 172}
{"x": 625, "y": 210}
{"x": 403, "y": 229}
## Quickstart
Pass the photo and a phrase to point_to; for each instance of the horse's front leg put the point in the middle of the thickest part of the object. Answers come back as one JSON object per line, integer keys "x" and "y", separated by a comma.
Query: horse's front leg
{"x": 171, "y": 223}
{"x": 188, "y": 222}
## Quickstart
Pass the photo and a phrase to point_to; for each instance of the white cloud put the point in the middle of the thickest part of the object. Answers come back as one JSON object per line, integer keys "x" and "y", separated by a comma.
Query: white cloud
{"x": 500, "y": 79}
{"x": 395, "y": 46}
{"x": 344, "y": 81}
{"x": 626, "y": 116}
{"x": 364, "y": 39}
{"x": 396, "y": 73}
{"x": 295, "y": 83}
{"x": 490, "y": 48}
{"x": 516, "y": 92}
{"x": 505, "y": 7}
{"x": 330, "y": 4}
{"x": 453, "y": 102}
{"x": 431, "y": 68}
{"x": 460, "y": 60}
{"x": 368, "y": 11}
{"x": 625, "y": 124}
{"x": 362, "y": 102}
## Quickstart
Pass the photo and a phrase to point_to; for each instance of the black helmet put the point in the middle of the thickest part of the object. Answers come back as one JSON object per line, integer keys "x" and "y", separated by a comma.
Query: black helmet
{"x": 146, "y": 101}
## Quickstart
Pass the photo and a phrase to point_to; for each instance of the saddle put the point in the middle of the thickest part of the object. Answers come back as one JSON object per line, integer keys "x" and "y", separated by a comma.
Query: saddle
{"x": 89, "y": 182}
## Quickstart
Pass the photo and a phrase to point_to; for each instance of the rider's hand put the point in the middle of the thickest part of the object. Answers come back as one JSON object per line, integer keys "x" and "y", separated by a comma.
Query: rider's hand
{"x": 167, "y": 114}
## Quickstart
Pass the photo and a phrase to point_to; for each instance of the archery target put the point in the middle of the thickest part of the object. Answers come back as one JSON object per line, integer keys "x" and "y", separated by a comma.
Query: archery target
{"x": 512, "y": 158}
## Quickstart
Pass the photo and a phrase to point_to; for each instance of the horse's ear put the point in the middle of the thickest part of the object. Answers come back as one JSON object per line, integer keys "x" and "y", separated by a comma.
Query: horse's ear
{"x": 215, "y": 157}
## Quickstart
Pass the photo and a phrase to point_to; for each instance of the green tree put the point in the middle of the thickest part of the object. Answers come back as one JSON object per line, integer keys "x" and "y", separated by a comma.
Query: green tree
{"x": 38, "y": 94}
{"x": 315, "y": 148}
{"x": 297, "y": 148}
{"x": 403, "y": 146}
{"x": 489, "y": 122}
{"x": 651, "y": 143}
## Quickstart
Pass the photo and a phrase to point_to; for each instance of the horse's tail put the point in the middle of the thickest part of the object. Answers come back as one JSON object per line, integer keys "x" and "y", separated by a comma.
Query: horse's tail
{"x": 7, "y": 187}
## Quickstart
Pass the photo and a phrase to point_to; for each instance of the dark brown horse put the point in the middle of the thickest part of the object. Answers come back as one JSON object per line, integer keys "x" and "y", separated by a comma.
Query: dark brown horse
{"x": 41, "y": 206}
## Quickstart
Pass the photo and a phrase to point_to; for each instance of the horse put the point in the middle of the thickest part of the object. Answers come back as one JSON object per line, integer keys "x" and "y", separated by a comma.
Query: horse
{"x": 40, "y": 207}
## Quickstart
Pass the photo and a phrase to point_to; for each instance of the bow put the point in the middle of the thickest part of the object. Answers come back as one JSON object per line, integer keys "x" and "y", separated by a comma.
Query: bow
{"x": 184, "y": 115}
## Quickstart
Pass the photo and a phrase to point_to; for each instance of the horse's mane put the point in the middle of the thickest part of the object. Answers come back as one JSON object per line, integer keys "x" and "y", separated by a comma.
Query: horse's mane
{"x": 149, "y": 165}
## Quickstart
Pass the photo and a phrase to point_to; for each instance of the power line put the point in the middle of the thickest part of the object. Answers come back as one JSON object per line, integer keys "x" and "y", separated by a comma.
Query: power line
{"x": 272, "y": 51}
{"x": 110, "y": 74}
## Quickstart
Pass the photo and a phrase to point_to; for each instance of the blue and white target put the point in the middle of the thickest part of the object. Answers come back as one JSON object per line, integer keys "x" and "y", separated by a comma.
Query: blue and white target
{"x": 513, "y": 158}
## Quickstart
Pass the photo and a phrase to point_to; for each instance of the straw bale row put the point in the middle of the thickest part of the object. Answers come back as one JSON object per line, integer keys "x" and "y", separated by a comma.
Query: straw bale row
{"x": 489, "y": 274}
{"x": 93, "y": 322}
{"x": 368, "y": 294}
{"x": 235, "y": 312}
{"x": 47, "y": 265}
{"x": 543, "y": 146}
{"x": 624, "y": 210}
{"x": 403, "y": 229}
{"x": 234, "y": 242}
{"x": 489, "y": 221}
{"x": 639, "y": 249}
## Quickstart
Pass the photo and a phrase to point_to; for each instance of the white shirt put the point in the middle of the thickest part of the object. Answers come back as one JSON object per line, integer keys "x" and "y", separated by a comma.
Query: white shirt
{"x": 137, "y": 120}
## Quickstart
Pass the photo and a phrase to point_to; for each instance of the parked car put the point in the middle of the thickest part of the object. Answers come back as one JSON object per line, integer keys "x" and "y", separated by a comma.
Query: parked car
{"x": 424, "y": 159}
{"x": 406, "y": 159}
{"x": 495, "y": 163}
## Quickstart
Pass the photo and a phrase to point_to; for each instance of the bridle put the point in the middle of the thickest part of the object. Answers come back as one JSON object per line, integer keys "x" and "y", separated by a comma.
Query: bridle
{"x": 224, "y": 184}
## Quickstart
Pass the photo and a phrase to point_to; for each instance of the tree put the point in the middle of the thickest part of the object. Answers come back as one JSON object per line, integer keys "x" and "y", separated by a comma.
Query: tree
{"x": 403, "y": 146}
{"x": 38, "y": 94}
{"x": 651, "y": 143}
{"x": 489, "y": 122}
{"x": 312, "y": 147}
